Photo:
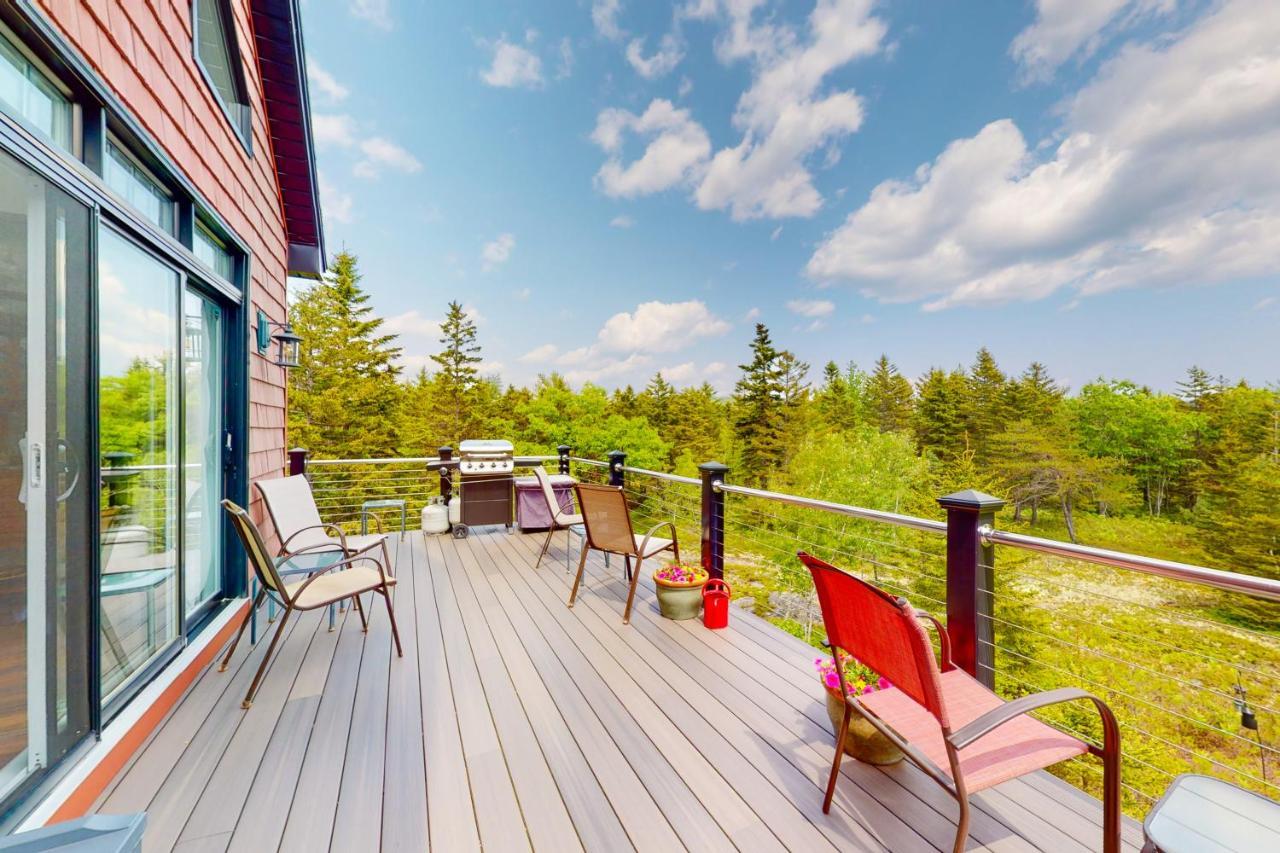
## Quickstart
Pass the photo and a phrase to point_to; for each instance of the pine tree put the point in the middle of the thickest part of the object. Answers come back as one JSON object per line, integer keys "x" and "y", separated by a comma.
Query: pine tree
{"x": 940, "y": 413}
{"x": 1198, "y": 387}
{"x": 758, "y": 405}
{"x": 794, "y": 396}
{"x": 655, "y": 403}
{"x": 1034, "y": 395}
{"x": 986, "y": 409}
{"x": 344, "y": 395}
{"x": 625, "y": 402}
{"x": 889, "y": 397}
{"x": 458, "y": 376}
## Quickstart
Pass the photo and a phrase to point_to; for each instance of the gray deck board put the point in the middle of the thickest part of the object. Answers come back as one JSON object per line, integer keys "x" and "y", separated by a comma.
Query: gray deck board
{"x": 513, "y": 722}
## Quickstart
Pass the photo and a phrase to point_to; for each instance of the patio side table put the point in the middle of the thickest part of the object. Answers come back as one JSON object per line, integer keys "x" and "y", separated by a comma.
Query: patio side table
{"x": 389, "y": 503}
{"x": 1199, "y": 814}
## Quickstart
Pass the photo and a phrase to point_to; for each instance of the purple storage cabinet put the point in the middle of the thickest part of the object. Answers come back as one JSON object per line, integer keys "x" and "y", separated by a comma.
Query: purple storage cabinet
{"x": 532, "y": 512}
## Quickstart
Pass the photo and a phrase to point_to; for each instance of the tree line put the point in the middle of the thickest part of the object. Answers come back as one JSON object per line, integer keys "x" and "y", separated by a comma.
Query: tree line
{"x": 1207, "y": 456}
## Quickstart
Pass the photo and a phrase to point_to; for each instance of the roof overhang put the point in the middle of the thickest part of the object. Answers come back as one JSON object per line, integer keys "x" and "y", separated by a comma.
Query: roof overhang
{"x": 277, "y": 26}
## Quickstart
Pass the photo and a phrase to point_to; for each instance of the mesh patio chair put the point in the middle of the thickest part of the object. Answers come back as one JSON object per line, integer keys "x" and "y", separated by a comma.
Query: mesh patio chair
{"x": 561, "y": 519}
{"x": 317, "y": 590}
{"x": 294, "y": 514}
{"x": 608, "y": 524}
{"x": 948, "y": 724}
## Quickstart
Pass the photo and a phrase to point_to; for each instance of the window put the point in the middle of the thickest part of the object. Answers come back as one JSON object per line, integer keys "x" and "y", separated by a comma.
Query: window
{"x": 219, "y": 57}
{"x": 213, "y": 253}
{"x": 31, "y": 95}
{"x": 124, "y": 175}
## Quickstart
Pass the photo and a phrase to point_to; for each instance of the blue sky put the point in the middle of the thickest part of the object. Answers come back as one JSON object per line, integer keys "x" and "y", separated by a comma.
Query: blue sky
{"x": 616, "y": 187}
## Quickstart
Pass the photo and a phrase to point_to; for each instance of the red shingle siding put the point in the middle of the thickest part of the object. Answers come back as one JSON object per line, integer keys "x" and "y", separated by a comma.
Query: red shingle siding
{"x": 143, "y": 50}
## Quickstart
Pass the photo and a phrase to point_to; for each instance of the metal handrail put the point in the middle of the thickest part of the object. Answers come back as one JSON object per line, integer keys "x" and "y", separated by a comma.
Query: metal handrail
{"x": 659, "y": 475}
{"x": 593, "y": 462}
{"x": 405, "y": 459}
{"x": 896, "y": 519}
{"x": 1230, "y": 581}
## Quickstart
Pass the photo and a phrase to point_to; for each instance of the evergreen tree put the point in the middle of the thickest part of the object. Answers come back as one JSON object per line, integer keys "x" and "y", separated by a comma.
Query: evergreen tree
{"x": 1034, "y": 395}
{"x": 758, "y": 406}
{"x": 458, "y": 377}
{"x": 940, "y": 413}
{"x": 889, "y": 397}
{"x": 655, "y": 403}
{"x": 986, "y": 412}
{"x": 625, "y": 402}
{"x": 1197, "y": 388}
{"x": 343, "y": 396}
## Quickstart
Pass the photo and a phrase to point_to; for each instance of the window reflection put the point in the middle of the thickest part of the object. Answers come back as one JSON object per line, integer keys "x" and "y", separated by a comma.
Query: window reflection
{"x": 137, "y": 401}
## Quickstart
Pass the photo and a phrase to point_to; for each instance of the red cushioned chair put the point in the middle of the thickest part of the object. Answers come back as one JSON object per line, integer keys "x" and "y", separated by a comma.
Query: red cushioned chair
{"x": 955, "y": 729}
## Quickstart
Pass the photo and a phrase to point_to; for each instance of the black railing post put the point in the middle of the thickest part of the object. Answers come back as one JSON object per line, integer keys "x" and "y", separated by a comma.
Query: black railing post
{"x": 970, "y": 576}
{"x": 445, "y": 454}
{"x": 617, "y": 459}
{"x": 297, "y": 461}
{"x": 713, "y": 518}
{"x": 563, "y": 450}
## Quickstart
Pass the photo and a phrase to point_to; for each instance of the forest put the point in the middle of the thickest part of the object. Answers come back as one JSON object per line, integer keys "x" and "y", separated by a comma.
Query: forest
{"x": 1192, "y": 476}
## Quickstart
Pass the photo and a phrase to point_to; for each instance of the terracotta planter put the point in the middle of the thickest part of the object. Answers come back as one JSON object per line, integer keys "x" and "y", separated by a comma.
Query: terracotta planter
{"x": 864, "y": 742}
{"x": 679, "y": 602}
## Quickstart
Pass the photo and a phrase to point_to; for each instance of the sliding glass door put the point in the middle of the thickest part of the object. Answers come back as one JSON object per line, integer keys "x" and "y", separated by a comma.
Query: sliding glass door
{"x": 45, "y": 491}
{"x": 203, "y": 416}
{"x": 139, "y": 418}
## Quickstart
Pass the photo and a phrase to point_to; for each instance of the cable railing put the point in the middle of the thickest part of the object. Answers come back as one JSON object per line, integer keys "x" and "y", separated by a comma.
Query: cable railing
{"x": 1193, "y": 692}
{"x": 1192, "y": 689}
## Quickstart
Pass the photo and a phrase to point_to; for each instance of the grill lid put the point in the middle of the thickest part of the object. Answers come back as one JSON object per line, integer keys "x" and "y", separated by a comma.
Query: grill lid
{"x": 486, "y": 447}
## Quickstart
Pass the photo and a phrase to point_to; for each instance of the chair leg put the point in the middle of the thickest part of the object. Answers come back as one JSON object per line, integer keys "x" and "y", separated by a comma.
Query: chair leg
{"x": 266, "y": 659}
{"x": 546, "y": 544}
{"x": 391, "y": 614}
{"x": 635, "y": 580}
{"x": 364, "y": 620}
{"x": 835, "y": 762}
{"x": 962, "y": 826}
{"x": 577, "y": 581}
{"x": 244, "y": 623}
{"x": 1111, "y": 799}
{"x": 626, "y": 565}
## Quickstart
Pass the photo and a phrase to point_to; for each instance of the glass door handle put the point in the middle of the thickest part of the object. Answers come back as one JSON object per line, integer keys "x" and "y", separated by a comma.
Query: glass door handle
{"x": 71, "y": 467}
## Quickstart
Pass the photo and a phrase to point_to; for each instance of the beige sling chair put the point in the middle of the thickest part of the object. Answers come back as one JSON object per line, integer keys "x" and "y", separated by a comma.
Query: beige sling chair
{"x": 561, "y": 518}
{"x": 317, "y": 590}
{"x": 293, "y": 512}
{"x": 608, "y": 522}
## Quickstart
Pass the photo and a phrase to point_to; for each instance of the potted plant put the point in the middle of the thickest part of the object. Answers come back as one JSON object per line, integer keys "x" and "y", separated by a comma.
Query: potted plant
{"x": 864, "y": 741}
{"x": 680, "y": 589}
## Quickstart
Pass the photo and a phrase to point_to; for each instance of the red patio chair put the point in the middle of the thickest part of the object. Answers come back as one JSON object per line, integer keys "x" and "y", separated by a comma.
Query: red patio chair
{"x": 952, "y": 727}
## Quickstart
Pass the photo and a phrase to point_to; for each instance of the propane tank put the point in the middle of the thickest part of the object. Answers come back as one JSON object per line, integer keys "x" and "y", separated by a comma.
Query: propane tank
{"x": 455, "y": 510}
{"x": 435, "y": 517}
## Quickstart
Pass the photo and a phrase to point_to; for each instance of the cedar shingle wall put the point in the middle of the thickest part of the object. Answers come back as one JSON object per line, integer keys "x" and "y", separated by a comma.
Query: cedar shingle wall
{"x": 143, "y": 50}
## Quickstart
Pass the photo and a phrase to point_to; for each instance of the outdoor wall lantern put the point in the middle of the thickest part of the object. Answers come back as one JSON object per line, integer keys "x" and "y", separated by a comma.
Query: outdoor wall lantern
{"x": 288, "y": 343}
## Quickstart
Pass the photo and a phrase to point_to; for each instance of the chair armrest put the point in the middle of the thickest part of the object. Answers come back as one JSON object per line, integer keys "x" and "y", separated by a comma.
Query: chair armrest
{"x": 944, "y": 639}
{"x": 644, "y": 543}
{"x": 342, "y": 537}
{"x": 377, "y": 520}
{"x": 996, "y": 717}
{"x": 343, "y": 563}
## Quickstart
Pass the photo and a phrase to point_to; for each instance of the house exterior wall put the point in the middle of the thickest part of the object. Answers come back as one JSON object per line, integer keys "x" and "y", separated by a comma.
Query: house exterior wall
{"x": 143, "y": 50}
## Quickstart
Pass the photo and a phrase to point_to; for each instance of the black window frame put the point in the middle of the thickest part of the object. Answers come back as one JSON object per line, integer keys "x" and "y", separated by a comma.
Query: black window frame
{"x": 243, "y": 127}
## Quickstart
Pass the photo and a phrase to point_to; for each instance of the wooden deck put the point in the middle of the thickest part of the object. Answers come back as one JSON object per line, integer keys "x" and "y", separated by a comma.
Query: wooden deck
{"x": 513, "y": 722}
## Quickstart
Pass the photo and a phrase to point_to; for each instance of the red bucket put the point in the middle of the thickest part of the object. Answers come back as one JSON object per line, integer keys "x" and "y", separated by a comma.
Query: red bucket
{"x": 715, "y": 604}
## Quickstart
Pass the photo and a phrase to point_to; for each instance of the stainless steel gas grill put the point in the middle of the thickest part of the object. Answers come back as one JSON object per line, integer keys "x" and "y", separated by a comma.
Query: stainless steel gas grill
{"x": 486, "y": 479}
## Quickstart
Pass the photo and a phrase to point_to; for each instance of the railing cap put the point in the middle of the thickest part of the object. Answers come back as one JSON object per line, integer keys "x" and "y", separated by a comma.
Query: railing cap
{"x": 713, "y": 467}
{"x": 971, "y": 499}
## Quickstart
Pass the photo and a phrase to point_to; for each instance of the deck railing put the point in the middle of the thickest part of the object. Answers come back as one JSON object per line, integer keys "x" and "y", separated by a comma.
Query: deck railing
{"x": 1194, "y": 687}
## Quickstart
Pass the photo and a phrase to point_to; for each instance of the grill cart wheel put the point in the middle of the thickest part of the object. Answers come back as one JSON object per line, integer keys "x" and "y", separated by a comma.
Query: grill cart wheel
{"x": 459, "y": 531}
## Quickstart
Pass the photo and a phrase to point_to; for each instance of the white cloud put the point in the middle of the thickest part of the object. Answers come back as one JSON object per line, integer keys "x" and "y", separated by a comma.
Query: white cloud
{"x": 1164, "y": 172}
{"x": 497, "y": 251}
{"x": 565, "y": 52}
{"x": 622, "y": 221}
{"x": 699, "y": 10}
{"x": 775, "y": 234}
{"x": 680, "y": 374}
{"x": 1265, "y": 303}
{"x": 660, "y": 327}
{"x": 336, "y": 205}
{"x": 607, "y": 368}
{"x": 523, "y": 294}
{"x": 541, "y": 354}
{"x": 411, "y": 323}
{"x": 376, "y": 12}
{"x": 513, "y": 66}
{"x": 676, "y": 152}
{"x": 382, "y": 153}
{"x": 785, "y": 117}
{"x": 333, "y": 130}
{"x": 752, "y": 315}
{"x": 1067, "y": 28}
{"x": 325, "y": 83}
{"x": 811, "y": 307}
{"x": 685, "y": 87}
{"x": 661, "y": 63}
{"x": 604, "y": 16}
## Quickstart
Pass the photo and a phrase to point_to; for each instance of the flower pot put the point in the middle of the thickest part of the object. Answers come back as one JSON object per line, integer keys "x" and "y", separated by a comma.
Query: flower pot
{"x": 679, "y": 602}
{"x": 864, "y": 742}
